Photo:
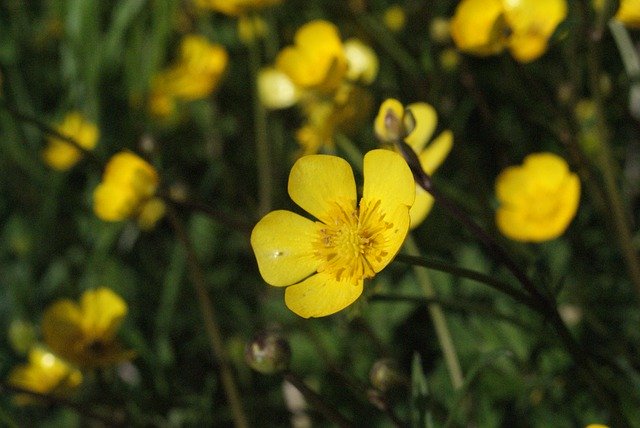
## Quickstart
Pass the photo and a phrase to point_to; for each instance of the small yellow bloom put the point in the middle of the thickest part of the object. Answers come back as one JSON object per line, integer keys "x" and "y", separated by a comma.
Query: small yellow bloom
{"x": 276, "y": 90}
{"x": 195, "y": 75}
{"x": 61, "y": 155}
{"x": 46, "y": 374}
{"x": 597, "y": 426}
{"x": 317, "y": 59}
{"x": 395, "y": 18}
{"x": 235, "y": 7}
{"x": 629, "y": 13}
{"x": 85, "y": 333}
{"x": 128, "y": 183}
{"x": 423, "y": 123}
{"x": 362, "y": 61}
{"x": 487, "y": 27}
{"x": 324, "y": 263}
{"x": 538, "y": 200}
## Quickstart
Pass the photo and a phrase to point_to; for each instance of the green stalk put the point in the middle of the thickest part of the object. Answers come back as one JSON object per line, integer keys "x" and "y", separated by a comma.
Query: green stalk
{"x": 439, "y": 320}
{"x": 263, "y": 149}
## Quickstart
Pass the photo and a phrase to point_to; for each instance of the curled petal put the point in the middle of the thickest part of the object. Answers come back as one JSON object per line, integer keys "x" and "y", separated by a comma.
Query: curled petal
{"x": 426, "y": 120}
{"x": 103, "y": 312}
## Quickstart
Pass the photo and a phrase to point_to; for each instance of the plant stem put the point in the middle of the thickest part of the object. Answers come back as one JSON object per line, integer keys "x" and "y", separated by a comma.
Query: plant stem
{"x": 263, "y": 150}
{"x": 607, "y": 166}
{"x": 317, "y": 401}
{"x": 210, "y": 323}
{"x": 438, "y": 318}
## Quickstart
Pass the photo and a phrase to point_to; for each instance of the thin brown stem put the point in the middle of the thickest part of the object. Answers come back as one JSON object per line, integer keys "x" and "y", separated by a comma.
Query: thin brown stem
{"x": 210, "y": 322}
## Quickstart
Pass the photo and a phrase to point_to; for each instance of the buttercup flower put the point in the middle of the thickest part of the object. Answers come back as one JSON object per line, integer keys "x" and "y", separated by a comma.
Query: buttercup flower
{"x": 423, "y": 121}
{"x": 324, "y": 263}
{"x": 44, "y": 373}
{"x": 317, "y": 59}
{"x": 195, "y": 74}
{"x": 127, "y": 190}
{"x": 629, "y": 13}
{"x": 487, "y": 27}
{"x": 61, "y": 155}
{"x": 235, "y": 7}
{"x": 85, "y": 333}
{"x": 538, "y": 200}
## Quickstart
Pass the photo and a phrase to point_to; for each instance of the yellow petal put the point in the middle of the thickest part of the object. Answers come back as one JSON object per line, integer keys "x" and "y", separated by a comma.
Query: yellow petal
{"x": 282, "y": 242}
{"x": 432, "y": 157}
{"x": 387, "y": 178}
{"x": 103, "y": 312}
{"x": 362, "y": 61}
{"x": 478, "y": 27}
{"x": 426, "y": 120}
{"x": 276, "y": 90}
{"x": 62, "y": 326}
{"x": 629, "y": 13}
{"x": 319, "y": 183}
{"x": 421, "y": 207}
{"x": 321, "y": 295}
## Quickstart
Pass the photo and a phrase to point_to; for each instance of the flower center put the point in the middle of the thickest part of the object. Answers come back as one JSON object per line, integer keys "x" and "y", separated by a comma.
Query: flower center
{"x": 353, "y": 242}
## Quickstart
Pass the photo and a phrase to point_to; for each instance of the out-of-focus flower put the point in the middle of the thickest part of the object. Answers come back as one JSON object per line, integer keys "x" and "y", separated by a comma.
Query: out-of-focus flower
{"x": 324, "y": 263}
{"x": 317, "y": 59}
{"x": 21, "y": 335}
{"x": 195, "y": 75}
{"x": 394, "y": 18}
{"x": 60, "y": 154}
{"x": 321, "y": 74}
{"x": 538, "y": 199}
{"x": 440, "y": 30}
{"x": 487, "y": 27}
{"x": 597, "y": 426}
{"x": 85, "y": 333}
{"x": 45, "y": 374}
{"x": 629, "y": 13}
{"x": 419, "y": 130}
{"x": 251, "y": 27}
{"x": 235, "y": 7}
{"x": 127, "y": 190}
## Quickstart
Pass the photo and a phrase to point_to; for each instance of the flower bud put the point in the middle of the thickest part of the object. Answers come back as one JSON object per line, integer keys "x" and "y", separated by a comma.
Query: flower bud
{"x": 22, "y": 336}
{"x": 268, "y": 353}
{"x": 385, "y": 375}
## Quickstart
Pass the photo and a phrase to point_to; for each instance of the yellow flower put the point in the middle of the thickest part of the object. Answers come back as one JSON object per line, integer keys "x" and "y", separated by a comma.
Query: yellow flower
{"x": 324, "y": 263}
{"x": 276, "y": 90}
{"x": 235, "y": 7}
{"x": 487, "y": 27}
{"x": 195, "y": 74}
{"x": 362, "y": 61}
{"x": 317, "y": 59}
{"x": 128, "y": 186}
{"x": 46, "y": 374}
{"x": 629, "y": 13}
{"x": 423, "y": 123}
{"x": 61, "y": 155}
{"x": 538, "y": 200}
{"x": 395, "y": 18}
{"x": 85, "y": 333}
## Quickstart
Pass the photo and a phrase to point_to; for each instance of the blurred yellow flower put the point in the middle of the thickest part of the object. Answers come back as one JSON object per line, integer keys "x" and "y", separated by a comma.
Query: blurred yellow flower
{"x": 61, "y": 155}
{"x": 85, "y": 333}
{"x": 629, "y": 13}
{"x": 235, "y": 7}
{"x": 362, "y": 61}
{"x": 317, "y": 59}
{"x": 324, "y": 263}
{"x": 46, "y": 374}
{"x": 195, "y": 75}
{"x": 276, "y": 90}
{"x": 394, "y": 18}
{"x": 487, "y": 27}
{"x": 538, "y": 200}
{"x": 421, "y": 125}
{"x": 127, "y": 190}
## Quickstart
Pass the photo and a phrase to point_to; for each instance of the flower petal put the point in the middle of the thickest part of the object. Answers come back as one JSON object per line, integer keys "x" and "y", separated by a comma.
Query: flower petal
{"x": 387, "y": 178}
{"x": 421, "y": 207}
{"x": 317, "y": 183}
{"x": 433, "y": 156}
{"x": 62, "y": 326}
{"x": 321, "y": 295}
{"x": 426, "y": 120}
{"x": 282, "y": 242}
{"x": 103, "y": 312}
